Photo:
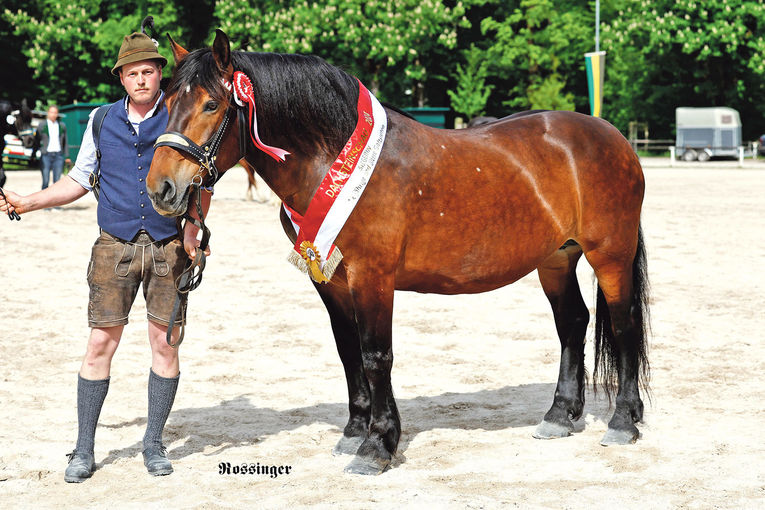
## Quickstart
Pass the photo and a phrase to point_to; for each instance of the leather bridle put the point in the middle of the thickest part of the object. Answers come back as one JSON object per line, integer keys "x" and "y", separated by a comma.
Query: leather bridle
{"x": 205, "y": 154}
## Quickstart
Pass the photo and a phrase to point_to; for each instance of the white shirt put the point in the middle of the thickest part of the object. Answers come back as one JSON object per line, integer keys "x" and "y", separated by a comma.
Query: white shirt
{"x": 54, "y": 143}
{"x": 87, "y": 162}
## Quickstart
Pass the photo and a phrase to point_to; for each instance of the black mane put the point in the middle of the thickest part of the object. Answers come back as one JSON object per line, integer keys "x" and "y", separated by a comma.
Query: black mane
{"x": 303, "y": 103}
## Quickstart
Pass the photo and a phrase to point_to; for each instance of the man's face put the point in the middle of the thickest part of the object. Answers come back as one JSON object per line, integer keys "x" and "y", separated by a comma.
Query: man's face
{"x": 141, "y": 80}
{"x": 52, "y": 113}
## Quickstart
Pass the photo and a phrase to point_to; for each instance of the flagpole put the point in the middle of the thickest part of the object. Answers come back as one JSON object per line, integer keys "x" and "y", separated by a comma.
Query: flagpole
{"x": 595, "y": 63}
{"x": 597, "y": 25}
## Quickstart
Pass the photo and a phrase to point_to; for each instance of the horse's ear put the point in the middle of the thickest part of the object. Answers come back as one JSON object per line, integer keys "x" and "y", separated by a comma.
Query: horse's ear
{"x": 179, "y": 53}
{"x": 221, "y": 49}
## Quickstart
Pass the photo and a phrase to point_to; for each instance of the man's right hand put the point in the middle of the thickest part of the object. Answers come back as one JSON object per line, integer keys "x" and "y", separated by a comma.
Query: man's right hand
{"x": 12, "y": 202}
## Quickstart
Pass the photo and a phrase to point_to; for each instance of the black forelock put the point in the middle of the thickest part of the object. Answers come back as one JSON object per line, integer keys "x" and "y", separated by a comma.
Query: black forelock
{"x": 300, "y": 99}
{"x": 198, "y": 68}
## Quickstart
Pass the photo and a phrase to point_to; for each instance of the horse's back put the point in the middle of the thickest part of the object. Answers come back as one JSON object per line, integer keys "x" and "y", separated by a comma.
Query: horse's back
{"x": 564, "y": 158}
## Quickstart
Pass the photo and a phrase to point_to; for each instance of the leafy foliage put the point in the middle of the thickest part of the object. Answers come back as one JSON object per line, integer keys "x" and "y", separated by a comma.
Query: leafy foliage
{"x": 669, "y": 53}
{"x": 71, "y": 47}
{"x": 540, "y": 43}
{"x": 492, "y": 56}
{"x": 472, "y": 92}
{"x": 367, "y": 37}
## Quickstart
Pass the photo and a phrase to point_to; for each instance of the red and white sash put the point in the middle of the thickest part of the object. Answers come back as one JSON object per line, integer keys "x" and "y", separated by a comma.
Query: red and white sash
{"x": 338, "y": 193}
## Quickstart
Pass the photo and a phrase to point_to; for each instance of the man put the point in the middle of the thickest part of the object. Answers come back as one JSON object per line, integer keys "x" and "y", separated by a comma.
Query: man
{"x": 137, "y": 246}
{"x": 50, "y": 137}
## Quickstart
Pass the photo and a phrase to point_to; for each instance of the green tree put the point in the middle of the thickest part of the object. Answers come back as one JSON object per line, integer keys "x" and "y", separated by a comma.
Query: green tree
{"x": 69, "y": 48}
{"x": 472, "y": 92}
{"x": 669, "y": 53}
{"x": 368, "y": 37}
{"x": 541, "y": 45}
{"x": 16, "y": 76}
{"x": 60, "y": 50}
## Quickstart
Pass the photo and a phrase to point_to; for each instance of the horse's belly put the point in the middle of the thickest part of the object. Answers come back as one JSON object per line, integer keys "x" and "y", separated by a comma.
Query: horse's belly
{"x": 435, "y": 282}
{"x": 470, "y": 263}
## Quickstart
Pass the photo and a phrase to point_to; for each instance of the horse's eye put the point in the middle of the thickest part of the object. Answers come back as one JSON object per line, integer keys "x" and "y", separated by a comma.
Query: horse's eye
{"x": 211, "y": 106}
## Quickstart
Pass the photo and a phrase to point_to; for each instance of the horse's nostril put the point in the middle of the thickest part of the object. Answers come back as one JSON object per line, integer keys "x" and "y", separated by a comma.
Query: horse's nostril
{"x": 167, "y": 193}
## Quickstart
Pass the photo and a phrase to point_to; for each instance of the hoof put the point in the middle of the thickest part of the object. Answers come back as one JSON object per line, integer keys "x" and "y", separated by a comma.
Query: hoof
{"x": 615, "y": 437}
{"x": 367, "y": 466}
{"x": 550, "y": 430}
{"x": 347, "y": 446}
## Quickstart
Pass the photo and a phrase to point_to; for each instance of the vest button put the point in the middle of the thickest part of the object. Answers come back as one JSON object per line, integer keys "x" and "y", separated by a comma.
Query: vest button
{"x": 143, "y": 217}
{"x": 142, "y": 205}
{"x": 141, "y": 194}
{"x": 140, "y": 179}
{"x": 135, "y": 145}
{"x": 139, "y": 168}
{"x": 139, "y": 154}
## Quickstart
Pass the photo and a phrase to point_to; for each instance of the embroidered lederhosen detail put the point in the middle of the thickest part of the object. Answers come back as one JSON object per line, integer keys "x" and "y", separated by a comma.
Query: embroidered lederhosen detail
{"x": 160, "y": 267}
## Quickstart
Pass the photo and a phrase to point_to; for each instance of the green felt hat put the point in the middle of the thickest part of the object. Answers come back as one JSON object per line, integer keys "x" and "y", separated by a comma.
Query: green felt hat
{"x": 136, "y": 47}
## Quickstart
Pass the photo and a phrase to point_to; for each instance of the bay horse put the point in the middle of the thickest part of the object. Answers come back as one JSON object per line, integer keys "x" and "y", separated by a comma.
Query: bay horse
{"x": 445, "y": 211}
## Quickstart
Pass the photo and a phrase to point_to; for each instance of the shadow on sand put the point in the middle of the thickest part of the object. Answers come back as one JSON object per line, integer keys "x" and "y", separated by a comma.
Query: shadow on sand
{"x": 237, "y": 422}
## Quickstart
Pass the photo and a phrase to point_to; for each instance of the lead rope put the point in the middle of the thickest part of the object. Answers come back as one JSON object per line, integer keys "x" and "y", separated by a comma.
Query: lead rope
{"x": 191, "y": 277}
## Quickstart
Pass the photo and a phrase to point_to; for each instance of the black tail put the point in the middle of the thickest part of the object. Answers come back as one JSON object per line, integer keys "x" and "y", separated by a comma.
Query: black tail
{"x": 606, "y": 362}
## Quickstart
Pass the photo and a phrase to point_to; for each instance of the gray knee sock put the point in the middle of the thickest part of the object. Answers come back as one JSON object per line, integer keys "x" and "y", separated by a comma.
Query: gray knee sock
{"x": 161, "y": 397}
{"x": 90, "y": 398}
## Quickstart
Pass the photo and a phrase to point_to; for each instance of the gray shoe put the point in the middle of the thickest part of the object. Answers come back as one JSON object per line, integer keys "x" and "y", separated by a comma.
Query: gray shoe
{"x": 80, "y": 468}
{"x": 155, "y": 460}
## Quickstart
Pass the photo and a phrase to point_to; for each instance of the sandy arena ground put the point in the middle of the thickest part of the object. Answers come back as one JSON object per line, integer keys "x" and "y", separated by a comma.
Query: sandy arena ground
{"x": 262, "y": 383}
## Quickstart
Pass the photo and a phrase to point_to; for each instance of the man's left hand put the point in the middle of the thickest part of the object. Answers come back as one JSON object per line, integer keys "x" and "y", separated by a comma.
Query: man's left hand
{"x": 191, "y": 243}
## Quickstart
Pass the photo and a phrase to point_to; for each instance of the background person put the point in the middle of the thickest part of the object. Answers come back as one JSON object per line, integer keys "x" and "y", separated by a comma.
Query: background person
{"x": 50, "y": 137}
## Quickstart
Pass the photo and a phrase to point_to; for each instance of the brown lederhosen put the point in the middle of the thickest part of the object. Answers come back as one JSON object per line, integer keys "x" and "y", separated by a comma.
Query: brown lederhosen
{"x": 118, "y": 267}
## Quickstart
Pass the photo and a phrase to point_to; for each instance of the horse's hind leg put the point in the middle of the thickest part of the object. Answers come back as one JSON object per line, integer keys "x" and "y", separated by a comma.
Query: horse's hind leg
{"x": 620, "y": 339}
{"x": 338, "y": 303}
{"x": 557, "y": 275}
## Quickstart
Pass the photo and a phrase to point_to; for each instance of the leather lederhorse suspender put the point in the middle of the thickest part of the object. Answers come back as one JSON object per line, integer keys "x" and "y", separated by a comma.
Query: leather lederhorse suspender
{"x": 98, "y": 122}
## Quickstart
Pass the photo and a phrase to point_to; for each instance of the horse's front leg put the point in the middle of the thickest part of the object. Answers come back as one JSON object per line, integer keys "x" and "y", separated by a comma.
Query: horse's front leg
{"x": 372, "y": 295}
{"x": 337, "y": 300}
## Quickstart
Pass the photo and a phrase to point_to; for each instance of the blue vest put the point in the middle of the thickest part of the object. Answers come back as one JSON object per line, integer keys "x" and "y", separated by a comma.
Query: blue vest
{"x": 124, "y": 206}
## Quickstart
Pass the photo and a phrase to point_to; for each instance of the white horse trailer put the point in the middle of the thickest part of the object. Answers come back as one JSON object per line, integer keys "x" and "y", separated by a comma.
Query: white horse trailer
{"x": 706, "y": 132}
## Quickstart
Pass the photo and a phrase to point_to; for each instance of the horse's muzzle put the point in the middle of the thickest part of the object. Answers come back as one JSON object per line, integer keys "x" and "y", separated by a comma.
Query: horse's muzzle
{"x": 167, "y": 199}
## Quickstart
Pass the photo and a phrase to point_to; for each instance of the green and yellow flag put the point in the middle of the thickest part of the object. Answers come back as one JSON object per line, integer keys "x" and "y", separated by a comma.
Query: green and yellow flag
{"x": 596, "y": 67}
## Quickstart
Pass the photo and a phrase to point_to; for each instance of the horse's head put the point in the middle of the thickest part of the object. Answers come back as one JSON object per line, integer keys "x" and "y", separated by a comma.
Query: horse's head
{"x": 24, "y": 125}
{"x": 197, "y": 145}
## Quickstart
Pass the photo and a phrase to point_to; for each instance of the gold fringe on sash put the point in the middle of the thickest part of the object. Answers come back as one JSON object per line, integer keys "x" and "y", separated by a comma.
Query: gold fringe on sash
{"x": 311, "y": 266}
